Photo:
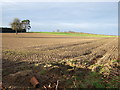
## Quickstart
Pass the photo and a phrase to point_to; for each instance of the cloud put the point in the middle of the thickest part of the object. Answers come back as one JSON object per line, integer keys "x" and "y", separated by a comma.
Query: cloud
{"x": 88, "y": 17}
{"x": 87, "y": 25}
{"x": 74, "y": 25}
{"x": 97, "y": 28}
{"x": 59, "y": 0}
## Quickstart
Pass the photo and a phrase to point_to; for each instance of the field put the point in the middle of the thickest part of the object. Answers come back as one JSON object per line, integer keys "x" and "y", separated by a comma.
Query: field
{"x": 60, "y": 61}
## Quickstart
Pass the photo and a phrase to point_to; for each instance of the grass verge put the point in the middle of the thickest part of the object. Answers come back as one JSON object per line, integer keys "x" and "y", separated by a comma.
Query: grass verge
{"x": 76, "y": 34}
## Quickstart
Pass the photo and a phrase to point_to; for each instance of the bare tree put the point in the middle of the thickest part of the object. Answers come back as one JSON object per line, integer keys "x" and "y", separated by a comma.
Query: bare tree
{"x": 58, "y": 30}
{"x": 16, "y": 25}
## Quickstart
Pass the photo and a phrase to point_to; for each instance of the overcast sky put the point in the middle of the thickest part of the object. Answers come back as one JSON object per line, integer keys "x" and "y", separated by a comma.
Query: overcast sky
{"x": 89, "y": 17}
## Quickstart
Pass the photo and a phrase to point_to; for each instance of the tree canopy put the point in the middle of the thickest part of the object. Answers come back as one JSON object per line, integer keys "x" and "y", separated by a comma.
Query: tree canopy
{"x": 26, "y": 24}
{"x": 18, "y": 25}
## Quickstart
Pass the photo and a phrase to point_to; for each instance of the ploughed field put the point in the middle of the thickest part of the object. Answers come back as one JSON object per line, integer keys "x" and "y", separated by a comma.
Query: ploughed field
{"x": 59, "y": 61}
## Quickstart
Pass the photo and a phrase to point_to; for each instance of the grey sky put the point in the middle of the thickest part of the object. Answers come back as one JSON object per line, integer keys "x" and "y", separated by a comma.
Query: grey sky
{"x": 89, "y": 17}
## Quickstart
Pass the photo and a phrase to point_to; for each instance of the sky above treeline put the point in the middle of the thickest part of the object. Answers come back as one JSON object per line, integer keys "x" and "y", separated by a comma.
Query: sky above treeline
{"x": 88, "y": 17}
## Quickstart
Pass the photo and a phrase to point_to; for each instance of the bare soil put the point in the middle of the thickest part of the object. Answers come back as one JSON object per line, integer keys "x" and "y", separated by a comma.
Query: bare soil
{"x": 57, "y": 58}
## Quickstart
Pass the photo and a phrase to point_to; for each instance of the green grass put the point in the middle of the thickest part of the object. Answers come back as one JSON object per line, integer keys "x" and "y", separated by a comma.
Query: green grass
{"x": 76, "y": 34}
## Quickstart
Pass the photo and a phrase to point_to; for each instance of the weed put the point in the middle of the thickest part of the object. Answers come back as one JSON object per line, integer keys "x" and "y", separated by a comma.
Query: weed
{"x": 114, "y": 61}
{"x": 42, "y": 72}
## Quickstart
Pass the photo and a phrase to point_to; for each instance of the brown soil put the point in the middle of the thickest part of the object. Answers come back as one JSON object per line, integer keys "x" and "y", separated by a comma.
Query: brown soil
{"x": 52, "y": 58}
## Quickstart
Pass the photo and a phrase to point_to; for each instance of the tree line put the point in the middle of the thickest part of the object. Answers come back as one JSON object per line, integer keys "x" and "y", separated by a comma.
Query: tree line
{"x": 19, "y": 25}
